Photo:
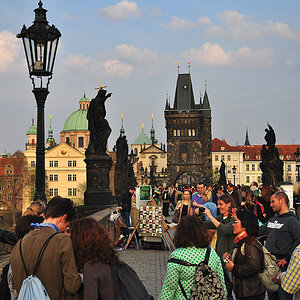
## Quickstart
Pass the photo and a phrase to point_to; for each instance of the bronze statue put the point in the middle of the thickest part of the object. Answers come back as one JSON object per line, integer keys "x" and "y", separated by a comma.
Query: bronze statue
{"x": 222, "y": 179}
{"x": 270, "y": 136}
{"x": 98, "y": 125}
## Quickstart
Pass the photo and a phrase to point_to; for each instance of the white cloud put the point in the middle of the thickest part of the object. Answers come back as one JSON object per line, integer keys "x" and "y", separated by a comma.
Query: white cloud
{"x": 119, "y": 63}
{"x": 155, "y": 12}
{"x": 237, "y": 26}
{"x": 121, "y": 11}
{"x": 179, "y": 24}
{"x": 9, "y": 49}
{"x": 67, "y": 18}
{"x": 214, "y": 55}
{"x": 204, "y": 21}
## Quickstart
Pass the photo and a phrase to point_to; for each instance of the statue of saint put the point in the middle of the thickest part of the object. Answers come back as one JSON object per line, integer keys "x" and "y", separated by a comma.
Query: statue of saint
{"x": 98, "y": 125}
{"x": 270, "y": 136}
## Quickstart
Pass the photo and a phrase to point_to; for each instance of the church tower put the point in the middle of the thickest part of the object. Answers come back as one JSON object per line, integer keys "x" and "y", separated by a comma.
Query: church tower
{"x": 188, "y": 135}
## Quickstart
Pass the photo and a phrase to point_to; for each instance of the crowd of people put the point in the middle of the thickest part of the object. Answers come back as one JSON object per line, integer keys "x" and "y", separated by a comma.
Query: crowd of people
{"x": 223, "y": 226}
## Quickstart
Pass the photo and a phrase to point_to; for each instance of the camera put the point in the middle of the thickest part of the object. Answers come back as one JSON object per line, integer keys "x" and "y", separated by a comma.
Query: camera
{"x": 201, "y": 209}
{"x": 225, "y": 260}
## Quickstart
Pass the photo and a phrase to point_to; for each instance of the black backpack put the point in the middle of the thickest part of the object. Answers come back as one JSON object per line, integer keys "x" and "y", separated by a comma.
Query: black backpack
{"x": 4, "y": 289}
{"x": 207, "y": 284}
{"x": 127, "y": 284}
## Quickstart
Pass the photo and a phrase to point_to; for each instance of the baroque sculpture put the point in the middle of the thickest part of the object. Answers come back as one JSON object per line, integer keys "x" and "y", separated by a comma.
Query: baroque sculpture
{"x": 271, "y": 165}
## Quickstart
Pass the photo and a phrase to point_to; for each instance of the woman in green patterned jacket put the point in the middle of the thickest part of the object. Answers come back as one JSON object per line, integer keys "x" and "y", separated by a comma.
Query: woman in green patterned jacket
{"x": 191, "y": 241}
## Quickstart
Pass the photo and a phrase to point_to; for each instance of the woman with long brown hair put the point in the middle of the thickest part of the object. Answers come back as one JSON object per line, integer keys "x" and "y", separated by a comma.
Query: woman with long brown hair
{"x": 94, "y": 254}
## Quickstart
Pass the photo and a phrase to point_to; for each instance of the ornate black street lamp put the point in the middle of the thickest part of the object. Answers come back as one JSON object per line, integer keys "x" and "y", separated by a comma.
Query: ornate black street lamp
{"x": 40, "y": 42}
{"x": 297, "y": 159}
{"x": 131, "y": 157}
{"x": 234, "y": 172}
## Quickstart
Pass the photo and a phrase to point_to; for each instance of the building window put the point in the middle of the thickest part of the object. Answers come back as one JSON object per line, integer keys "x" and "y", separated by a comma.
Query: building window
{"x": 258, "y": 157}
{"x": 69, "y": 163}
{"x": 74, "y": 177}
{"x": 288, "y": 157}
{"x": 247, "y": 167}
{"x": 69, "y": 177}
{"x": 80, "y": 142}
{"x": 289, "y": 178}
{"x": 53, "y": 177}
{"x": 193, "y": 132}
{"x": 178, "y": 132}
{"x": 281, "y": 157}
{"x": 74, "y": 163}
{"x": 53, "y": 163}
{"x": 68, "y": 140}
{"x": 74, "y": 191}
{"x": 222, "y": 157}
{"x": 190, "y": 132}
{"x": 289, "y": 168}
{"x": 69, "y": 192}
{"x": 32, "y": 164}
{"x": 174, "y": 132}
{"x": 259, "y": 179}
{"x": 246, "y": 157}
{"x": 216, "y": 158}
{"x": 228, "y": 157}
{"x": 247, "y": 179}
{"x": 53, "y": 192}
{"x": 253, "y": 167}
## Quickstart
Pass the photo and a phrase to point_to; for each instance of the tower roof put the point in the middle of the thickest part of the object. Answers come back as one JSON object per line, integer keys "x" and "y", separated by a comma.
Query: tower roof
{"x": 32, "y": 129}
{"x": 142, "y": 139}
{"x": 184, "y": 95}
{"x": 247, "y": 142}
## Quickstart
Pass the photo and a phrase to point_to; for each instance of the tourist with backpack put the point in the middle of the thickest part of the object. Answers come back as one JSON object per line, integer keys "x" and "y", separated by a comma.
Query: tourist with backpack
{"x": 104, "y": 275}
{"x": 45, "y": 257}
{"x": 247, "y": 260}
{"x": 188, "y": 264}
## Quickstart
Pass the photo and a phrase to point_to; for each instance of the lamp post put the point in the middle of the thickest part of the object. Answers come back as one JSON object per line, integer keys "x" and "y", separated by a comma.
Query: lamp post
{"x": 234, "y": 172}
{"x": 40, "y": 43}
{"x": 297, "y": 159}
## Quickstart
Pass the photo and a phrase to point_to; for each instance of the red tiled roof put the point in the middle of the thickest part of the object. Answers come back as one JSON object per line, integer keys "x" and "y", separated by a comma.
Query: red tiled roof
{"x": 253, "y": 151}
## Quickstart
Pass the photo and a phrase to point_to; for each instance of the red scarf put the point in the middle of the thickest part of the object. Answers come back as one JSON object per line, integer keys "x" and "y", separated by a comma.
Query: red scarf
{"x": 240, "y": 237}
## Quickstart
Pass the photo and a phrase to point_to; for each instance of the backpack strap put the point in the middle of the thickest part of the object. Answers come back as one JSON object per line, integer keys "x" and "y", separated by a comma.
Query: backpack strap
{"x": 208, "y": 249}
{"x": 181, "y": 262}
{"x": 39, "y": 256}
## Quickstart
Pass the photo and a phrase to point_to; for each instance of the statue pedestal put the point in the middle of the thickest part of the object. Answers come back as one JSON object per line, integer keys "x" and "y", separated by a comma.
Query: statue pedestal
{"x": 98, "y": 193}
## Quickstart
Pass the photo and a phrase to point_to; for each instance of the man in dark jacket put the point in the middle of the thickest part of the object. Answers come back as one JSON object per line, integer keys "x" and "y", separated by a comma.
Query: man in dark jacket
{"x": 282, "y": 236}
{"x": 125, "y": 204}
{"x": 234, "y": 194}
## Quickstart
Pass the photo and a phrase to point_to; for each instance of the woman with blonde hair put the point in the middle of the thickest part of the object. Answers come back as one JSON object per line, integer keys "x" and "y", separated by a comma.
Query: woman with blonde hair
{"x": 183, "y": 207}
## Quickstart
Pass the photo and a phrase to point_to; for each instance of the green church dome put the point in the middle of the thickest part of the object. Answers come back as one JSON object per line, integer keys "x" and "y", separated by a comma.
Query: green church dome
{"x": 142, "y": 139}
{"x": 77, "y": 121}
{"x": 32, "y": 129}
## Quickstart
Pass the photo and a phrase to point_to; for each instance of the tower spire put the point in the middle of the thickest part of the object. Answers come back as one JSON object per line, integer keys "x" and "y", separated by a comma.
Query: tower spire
{"x": 178, "y": 66}
{"x": 247, "y": 142}
{"x": 189, "y": 65}
{"x": 122, "y": 130}
{"x": 152, "y": 133}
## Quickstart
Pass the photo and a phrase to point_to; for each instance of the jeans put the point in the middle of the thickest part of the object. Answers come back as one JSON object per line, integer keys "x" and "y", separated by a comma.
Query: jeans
{"x": 280, "y": 294}
{"x": 127, "y": 218}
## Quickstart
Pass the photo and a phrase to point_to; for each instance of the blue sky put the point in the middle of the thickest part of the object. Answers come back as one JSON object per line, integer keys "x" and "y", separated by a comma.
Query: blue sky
{"x": 248, "y": 51}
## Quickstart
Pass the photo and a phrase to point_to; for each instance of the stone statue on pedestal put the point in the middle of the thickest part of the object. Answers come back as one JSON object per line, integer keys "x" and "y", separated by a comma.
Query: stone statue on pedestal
{"x": 98, "y": 162}
{"x": 271, "y": 165}
{"x": 124, "y": 175}
{"x": 222, "y": 179}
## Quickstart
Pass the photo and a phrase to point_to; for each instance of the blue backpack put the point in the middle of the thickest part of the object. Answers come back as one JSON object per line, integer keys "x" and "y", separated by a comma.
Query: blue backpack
{"x": 32, "y": 288}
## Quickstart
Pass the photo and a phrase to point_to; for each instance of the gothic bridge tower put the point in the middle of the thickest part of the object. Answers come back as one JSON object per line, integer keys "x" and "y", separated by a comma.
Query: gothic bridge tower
{"x": 188, "y": 135}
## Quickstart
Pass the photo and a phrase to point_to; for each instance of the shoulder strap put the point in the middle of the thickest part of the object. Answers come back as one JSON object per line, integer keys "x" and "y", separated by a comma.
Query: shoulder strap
{"x": 39, "y": 256}
{"x": 208, "y": 249}
{"x": 181, "y": 262}
{"x": 182, "y": 290}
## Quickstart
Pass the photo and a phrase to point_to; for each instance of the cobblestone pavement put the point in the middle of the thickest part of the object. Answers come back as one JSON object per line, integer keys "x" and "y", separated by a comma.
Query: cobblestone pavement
{"x": 150, "y": 265}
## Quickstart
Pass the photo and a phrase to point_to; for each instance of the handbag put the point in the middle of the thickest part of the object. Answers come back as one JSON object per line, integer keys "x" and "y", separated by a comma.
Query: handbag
{"x": 176, "y": 216}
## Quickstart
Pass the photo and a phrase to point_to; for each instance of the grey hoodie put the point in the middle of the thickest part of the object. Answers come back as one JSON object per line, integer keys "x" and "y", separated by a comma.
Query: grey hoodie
{"x": 283, "y": 234}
